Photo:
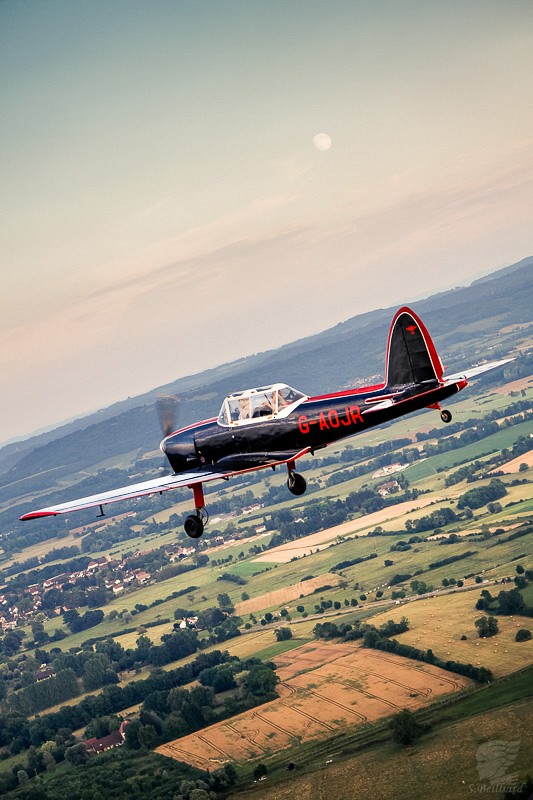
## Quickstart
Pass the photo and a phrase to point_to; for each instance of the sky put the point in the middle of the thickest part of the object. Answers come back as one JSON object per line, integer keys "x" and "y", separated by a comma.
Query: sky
{"x": 165, "y": 205}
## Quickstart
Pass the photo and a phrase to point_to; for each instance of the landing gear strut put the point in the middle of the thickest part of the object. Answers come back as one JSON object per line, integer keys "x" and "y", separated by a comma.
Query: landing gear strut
{"x": 445, "y": 415}
{"x": 195, "y": 523}
{"x": 296, "y": 483}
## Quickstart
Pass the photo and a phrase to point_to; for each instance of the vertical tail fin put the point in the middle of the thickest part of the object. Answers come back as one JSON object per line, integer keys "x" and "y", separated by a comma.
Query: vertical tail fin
{"x": 411, "y": 354}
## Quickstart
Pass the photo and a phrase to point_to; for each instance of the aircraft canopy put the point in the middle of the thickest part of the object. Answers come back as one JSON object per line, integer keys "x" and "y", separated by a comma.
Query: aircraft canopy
{"x": 252, "y": 405}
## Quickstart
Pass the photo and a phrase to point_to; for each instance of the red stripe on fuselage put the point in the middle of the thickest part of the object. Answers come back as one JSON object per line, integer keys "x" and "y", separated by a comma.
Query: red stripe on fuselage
{"x": 347, "y": 393}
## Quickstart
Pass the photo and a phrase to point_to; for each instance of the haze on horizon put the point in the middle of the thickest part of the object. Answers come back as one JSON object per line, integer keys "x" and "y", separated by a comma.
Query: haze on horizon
{"x": 166, "y": 205}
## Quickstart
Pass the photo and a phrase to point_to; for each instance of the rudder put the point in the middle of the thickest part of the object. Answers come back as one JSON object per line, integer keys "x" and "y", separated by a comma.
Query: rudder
{"x": 411, "y": 354}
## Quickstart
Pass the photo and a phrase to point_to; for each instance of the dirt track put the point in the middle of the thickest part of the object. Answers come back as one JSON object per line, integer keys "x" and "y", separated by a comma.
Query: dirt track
{"x": 322, "y": 539}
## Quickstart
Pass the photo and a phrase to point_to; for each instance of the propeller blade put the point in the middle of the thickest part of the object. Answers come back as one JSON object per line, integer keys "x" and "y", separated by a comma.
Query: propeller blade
{"x": 167, "y": 410}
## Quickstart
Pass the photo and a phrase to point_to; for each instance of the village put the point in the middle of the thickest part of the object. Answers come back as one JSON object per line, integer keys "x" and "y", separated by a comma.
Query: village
{"x": 102, "y": 578}
{"x": 105, "y": 573}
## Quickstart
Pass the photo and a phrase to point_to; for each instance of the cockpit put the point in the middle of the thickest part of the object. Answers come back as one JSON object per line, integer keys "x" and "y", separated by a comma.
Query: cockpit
{"x": 264, "y": 402}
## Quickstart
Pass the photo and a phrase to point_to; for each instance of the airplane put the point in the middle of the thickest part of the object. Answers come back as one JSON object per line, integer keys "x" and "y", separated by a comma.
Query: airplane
{"x": 271, "y": 426}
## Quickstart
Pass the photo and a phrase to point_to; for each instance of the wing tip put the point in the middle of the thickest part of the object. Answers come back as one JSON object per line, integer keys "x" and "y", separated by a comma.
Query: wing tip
{"x": 37, "y": 514}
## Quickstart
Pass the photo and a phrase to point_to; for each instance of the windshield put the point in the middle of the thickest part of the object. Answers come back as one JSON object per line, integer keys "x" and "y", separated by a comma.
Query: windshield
{"x": 255, "y": 404}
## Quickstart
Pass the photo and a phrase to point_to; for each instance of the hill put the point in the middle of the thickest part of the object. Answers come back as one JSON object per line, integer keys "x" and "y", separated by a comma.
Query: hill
{"x": 468, "y": 324}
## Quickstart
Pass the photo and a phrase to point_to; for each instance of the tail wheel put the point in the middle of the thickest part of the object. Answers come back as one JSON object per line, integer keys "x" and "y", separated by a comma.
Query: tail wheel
{"x": 194, "y": 526}
{"x": 445, "y": 415}
{"x": 296, "y": 484}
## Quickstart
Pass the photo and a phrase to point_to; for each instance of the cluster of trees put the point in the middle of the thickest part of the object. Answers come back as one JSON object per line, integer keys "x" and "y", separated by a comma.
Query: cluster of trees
{"x": 480, "y": 674}
{"x": 481, "y": 495}
{"x": 122, "y": 775}
{"x": 473, "y": 423}
{"x": 523, "y": 530}
{"x": 486, "y": 627}
{"x": 171, "y": 713}
{"x": 507, "y": 603}
{"x": 17, "y": 732}
{"x": 352, "y": 562}
{"x": 34, "y": 698}
{"x": 77, "y": 622}
{"x": 480, "y": 469}
{"x": 379, "y": 639}
{"x": 56, "y": 554}
{"x": 99, "y": 662}
{"x": 437, "y": 519}
{"x": 451, "y": 559}
{"x": 330, "y": 630}
{"x": 229, "y": 576}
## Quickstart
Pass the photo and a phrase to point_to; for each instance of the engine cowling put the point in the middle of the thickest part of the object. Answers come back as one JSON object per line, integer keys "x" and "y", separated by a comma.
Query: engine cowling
{"x": 180, "y": 450}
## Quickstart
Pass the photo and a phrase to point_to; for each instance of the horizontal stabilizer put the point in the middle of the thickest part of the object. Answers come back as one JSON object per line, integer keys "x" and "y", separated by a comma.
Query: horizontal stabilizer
{"x": 473, "y": 372}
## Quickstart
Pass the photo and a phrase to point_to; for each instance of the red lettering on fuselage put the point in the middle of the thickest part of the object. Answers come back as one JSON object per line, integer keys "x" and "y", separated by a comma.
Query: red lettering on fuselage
{"x": 303, "y": 424}
{"x": 346, "y": 419}
{"x": 333, "y": 418}
{"x": 355, "y": 413}
{"x": 323, "y": 422}
{"x": 351, "y": 415}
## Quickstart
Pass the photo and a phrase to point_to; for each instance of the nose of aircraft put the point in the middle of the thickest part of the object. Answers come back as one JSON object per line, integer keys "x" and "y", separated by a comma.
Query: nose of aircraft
{"x": 180, "y": 450}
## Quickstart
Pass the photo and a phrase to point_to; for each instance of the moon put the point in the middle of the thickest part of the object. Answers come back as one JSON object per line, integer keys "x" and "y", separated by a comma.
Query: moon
{"x": 322, "y": 141}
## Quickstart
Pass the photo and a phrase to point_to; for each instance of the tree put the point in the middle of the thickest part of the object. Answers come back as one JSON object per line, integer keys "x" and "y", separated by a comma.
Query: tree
{"x": 511, "y": 602}
{"x": 77, "y": 754}
{"x": 283, "y": 633}
{"x": 22, "y": 777}
{"x": 98, "y": 672}
{"x": 405, "y": 727}
{"x": 486, "y": 627}
{"x": 199, "y": 794}
{"x": 131, "y": 734}
{"x": 523, "y": 635}
{"x": 147, "y": 737}
{"x": 259, "y": 771}
{"x": 261, "y": 680}
{"x": 370, "y": 638}
{"x": 224, "y": 602}
{"x": 144, "y": 648}
{"x": 48, "y": 760}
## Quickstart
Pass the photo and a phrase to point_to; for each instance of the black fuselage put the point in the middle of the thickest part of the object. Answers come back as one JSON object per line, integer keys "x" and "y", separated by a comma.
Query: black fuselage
{"x": 313, "y": 424}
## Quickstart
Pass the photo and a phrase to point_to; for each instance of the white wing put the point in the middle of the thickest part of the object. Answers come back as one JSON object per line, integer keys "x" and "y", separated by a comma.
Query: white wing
{"x": 154, "y": 486}
{"x": 249, "y": 463}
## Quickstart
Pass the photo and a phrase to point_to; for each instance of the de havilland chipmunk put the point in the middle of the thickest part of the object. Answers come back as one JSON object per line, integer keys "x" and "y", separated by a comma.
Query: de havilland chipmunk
{"x": 275, "y": 425}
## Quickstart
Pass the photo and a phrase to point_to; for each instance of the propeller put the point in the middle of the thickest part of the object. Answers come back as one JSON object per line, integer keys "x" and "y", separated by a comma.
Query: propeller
{"x": 167, "y": 410}
{"x": 167, "y": 407}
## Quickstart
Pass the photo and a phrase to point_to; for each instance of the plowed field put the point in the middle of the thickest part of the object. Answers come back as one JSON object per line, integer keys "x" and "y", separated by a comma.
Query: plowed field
{"x": 324, "y": 687}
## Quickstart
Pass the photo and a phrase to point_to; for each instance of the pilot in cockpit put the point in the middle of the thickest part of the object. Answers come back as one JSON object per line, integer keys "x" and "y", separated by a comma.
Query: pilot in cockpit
{"x": 244, "y": 408}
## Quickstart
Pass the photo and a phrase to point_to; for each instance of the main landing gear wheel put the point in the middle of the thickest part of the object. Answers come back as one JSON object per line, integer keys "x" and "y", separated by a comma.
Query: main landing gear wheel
{"x": 445, "y": 415}
{"x": 296, "y": 483}
{"x": 195, "y": 523}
